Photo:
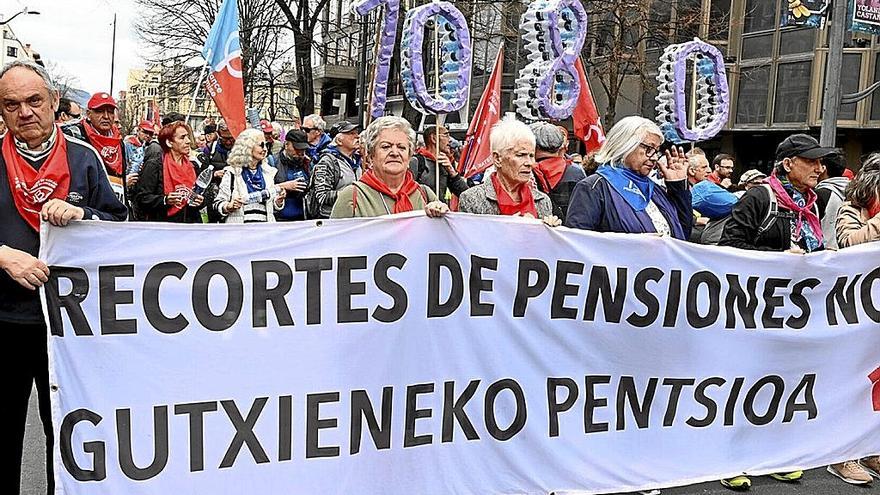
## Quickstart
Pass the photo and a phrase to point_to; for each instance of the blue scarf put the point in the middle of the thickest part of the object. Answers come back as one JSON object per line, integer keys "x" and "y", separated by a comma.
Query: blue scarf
{"x": 811, "y": 240}
{"x": 354, "y": 162}
{"x": 636, "y": 189}
{"x": 253, "y": 179}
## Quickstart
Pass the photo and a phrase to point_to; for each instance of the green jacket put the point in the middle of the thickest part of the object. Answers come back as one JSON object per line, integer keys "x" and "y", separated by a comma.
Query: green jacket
{"x": 372, "y": 203}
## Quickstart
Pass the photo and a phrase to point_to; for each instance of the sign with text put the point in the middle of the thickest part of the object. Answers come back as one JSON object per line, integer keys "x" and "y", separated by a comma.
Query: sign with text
{"x": 468, "y": 354}
{"x": 867, "y": 12}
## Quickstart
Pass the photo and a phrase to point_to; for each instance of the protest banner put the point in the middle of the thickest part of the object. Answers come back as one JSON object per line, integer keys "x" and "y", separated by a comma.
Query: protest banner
{"x": 467, "y": 354}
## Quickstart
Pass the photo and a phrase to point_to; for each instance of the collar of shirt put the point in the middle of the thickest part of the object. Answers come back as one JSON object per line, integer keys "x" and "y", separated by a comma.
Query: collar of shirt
{"x": 26, "y": 152}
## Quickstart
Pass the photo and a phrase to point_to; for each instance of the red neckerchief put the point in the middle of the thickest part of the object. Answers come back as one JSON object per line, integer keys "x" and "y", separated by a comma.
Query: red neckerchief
{"x": 548, "y": 172}
{"x": 802, "y": 213}
{"x": 109, "y": 147}
{"x": 426, "y": 153}
{"x": 32, "y": 188}
{"x": 874, "y": 209}
{"x": 714, "y": 178}
{"x": 134, "y": 141}
{"x": 506, "y": 204}
{"x": 177, "y": 175}
{"x": 401, "y": 198}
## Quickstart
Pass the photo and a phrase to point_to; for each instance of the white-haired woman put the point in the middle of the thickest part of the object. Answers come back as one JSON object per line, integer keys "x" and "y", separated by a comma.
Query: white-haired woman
{"x": 248, "y": 192}
{"x": 510, "y": 190}
{"x": 388, "y": 186}
{"x": 621, "y": 197}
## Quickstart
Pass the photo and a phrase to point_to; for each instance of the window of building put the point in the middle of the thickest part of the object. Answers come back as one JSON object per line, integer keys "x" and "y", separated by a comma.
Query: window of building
{"x": 849, "y": 83}
{"x": 792, "y": 92}
{"x": 719, "y": 20}
{"x": 760, "y": 15}
{"x": 751, "y": 107}
{"x": 11, "y": 51}
{"x": 760, "y": 46}
{"x": 792, "y": 41}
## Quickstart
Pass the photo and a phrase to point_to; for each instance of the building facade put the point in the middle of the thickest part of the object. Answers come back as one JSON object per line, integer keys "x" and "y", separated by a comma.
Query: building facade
{"x": 12, "y": 49}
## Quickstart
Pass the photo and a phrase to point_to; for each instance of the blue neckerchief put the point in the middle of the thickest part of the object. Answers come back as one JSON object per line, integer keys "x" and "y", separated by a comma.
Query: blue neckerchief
{"x": 811, "y": 242}
{"x": 253, "y": 179}
{"x": 354, "y": 163}
{"x": 636, "y": 189}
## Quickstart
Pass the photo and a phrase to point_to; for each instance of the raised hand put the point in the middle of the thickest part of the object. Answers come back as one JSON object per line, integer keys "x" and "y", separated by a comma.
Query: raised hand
{"x": 675, "y": 168}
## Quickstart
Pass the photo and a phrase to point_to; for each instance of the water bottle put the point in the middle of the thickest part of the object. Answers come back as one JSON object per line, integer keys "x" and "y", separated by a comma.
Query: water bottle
{"x": 202, "y": 182}
{"x": 260, "y": 196}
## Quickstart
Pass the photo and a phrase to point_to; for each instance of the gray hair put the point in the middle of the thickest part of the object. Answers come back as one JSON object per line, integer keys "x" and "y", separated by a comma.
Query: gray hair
{"x": 695, "y": 160}
{"x": 30, "y": 65}
{"x": 240, "y": 154}
{"x": 624, "y": 137}
{"x": 317, "y": 122}
{"x": 507, "y": 132}
{"x": 548, "y": 137}
{"x": 864, "y": 189}
{"x": 370, "y": 136}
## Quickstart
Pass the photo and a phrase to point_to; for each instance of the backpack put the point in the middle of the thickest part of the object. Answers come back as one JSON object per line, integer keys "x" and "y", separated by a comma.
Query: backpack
{"x": 715, "y": 228}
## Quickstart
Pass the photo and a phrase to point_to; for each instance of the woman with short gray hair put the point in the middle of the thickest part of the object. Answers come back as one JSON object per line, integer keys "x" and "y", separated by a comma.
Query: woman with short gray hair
{"x": 621, "y": 197}
{"x": 388, "y": 186}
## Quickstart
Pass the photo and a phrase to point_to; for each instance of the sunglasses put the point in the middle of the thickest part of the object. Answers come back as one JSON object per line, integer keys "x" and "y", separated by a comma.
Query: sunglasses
{"x": 264, "y": 145}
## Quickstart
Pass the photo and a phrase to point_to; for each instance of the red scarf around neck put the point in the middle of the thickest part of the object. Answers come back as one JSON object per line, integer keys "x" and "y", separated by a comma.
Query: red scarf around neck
{"x": 32, "y": 188}
{"x": 549, "y": 171}
{"x": 506, "y": 204}
{"x": 109, "y": 147}
{"x": 803, "y": 213}
{"x": 401, "y": 198}
{"x": 177, "y": 176}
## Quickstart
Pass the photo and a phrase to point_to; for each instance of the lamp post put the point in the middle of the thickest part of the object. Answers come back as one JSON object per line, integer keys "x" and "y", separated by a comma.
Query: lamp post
{"x": 22, "y": 11}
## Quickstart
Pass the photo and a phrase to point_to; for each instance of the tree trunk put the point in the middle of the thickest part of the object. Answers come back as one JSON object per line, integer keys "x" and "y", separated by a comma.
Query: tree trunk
{"x": 303, "y": 54}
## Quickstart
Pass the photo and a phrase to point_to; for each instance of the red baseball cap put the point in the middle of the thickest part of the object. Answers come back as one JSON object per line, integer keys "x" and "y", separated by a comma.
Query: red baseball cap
{"x": 266, "y": 126}
{"x": 99, "y": 100}
{"x": 147, "y": 126}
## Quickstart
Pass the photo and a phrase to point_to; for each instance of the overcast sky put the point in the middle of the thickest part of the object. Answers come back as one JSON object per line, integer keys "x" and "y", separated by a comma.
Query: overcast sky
{"x": 76, "y": 35}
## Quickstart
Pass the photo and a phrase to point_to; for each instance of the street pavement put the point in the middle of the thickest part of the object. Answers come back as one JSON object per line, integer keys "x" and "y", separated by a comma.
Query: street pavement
{"x": 815, "y": 482}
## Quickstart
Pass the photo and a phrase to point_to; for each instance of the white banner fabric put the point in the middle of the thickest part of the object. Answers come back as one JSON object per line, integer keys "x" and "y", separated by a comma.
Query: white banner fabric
{"x": 460, "y": 355}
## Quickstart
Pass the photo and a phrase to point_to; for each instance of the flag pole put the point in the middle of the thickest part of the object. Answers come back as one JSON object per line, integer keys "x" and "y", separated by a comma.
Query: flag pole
{"x": 192, "y": 100}
{"x": 440, "y": 117}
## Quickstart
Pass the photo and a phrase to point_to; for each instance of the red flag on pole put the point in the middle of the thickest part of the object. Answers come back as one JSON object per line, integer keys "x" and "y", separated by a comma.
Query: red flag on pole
{"x": 476, "y": 155}
{"x": 154, "y": 115}
{"x": 223, "y": 52}
{"x": 587, "y": 125}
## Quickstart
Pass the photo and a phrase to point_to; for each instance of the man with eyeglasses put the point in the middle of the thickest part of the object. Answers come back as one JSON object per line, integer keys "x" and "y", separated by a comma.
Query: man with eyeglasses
{"x": 313, "y": 125}
{"x": 67, "y": 110}
{"x": 722, "y": 174}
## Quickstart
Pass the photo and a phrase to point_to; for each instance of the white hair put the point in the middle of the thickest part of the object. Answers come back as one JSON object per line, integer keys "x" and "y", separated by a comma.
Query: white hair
{"x": 371, "y": 134}
{"x": 316, "y": 122}
{"x": 624, "y": 137}
{"x": 240, "y": 154}
{"x": 507, "y": 132}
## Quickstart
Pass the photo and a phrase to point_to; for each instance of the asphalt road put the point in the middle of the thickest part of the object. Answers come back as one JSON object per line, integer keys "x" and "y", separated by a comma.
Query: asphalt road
{"x": 815, "y": 482}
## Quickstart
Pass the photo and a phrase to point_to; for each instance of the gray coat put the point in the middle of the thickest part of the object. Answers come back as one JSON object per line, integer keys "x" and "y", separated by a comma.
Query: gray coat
{"x": 482, "y": 200}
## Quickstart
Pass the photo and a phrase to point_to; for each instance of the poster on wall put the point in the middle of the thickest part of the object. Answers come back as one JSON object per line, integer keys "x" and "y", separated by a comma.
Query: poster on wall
{"x": 810, "y": 13}
{"x": 867, "y": 12}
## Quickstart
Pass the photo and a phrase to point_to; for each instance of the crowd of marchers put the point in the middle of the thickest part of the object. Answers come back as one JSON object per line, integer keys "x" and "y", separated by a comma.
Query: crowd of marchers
{"x": 61, "y": 162}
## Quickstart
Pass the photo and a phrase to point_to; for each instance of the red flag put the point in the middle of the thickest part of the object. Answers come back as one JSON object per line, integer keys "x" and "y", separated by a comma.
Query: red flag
{"x": 154, "y": 115}
{"x": 223, "y": 52}
{"x": 587, "y": 125}
{"x": 476, "y": 155}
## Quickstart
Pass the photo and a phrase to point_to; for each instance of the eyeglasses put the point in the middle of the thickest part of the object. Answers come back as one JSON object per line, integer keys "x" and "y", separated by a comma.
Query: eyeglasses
{"x": 264, "y": 145}
{"x": 309, "y": 129}
{"x": 650, "y": 151}
{"x": 74, "y": 115}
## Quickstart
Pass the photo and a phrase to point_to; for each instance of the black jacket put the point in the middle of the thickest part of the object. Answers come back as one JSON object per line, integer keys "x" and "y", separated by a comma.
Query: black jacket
{"x": 89, "y": 189}
{"x": 150, "y": 199}
{"x": 742, "y": 230}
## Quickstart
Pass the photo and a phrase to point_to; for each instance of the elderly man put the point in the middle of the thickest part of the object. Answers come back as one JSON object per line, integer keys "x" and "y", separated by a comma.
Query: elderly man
{"x": 338, "y": 167}
{"x": 72, "y": 185}
{"x": 424, "y": 165}
{"x": 555, "y": 175}
{"x": 313, "y": 125}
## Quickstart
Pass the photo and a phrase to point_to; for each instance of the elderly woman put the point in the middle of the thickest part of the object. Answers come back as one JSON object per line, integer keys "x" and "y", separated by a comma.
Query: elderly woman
{"x": 388, "y": 186}
{"x": 510, "y": 190}
{"x": 164, "y": 193}
{"x": 858, "y": 220}
{"x": 247, "y": 191}
{"x": 621, "y": 197}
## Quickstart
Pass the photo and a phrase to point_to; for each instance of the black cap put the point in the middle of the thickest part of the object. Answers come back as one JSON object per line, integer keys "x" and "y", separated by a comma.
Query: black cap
{"x": 210, "y": 128}
{"x": 803, "y": 146}
{"x": 342, "y": 127}
{"x": 298, "y": 139}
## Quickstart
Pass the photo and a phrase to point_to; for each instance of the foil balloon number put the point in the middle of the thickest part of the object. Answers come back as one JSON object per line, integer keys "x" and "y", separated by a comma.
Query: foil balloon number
{"x": 713, "y": 95}
{"x": 553, "y": 32}
{"x": 386, "y": 49}
{"x": 455, "y": 62}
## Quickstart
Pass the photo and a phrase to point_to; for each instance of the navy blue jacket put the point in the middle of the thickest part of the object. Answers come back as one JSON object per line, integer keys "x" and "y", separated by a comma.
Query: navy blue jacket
{"x": 596, "y": 206}
{"x": 89, "y": 189}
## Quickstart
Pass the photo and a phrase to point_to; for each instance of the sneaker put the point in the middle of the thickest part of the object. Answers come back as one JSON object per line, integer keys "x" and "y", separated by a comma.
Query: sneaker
{"x": 852, "y": 472}
{"x": 871, "y": 465}
{"x": 738, "y": 483}
{"x": 788, "y": 477}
